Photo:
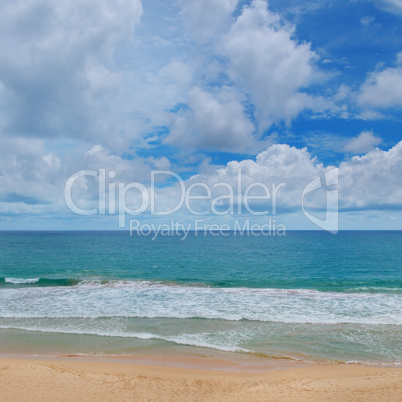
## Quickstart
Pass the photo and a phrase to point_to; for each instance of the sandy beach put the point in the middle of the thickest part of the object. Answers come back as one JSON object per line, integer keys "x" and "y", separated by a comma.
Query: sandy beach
{"x": 61, "y": 380}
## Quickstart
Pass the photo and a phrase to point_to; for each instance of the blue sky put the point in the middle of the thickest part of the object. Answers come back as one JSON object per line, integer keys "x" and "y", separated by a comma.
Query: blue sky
{"x": 285, "y": 89}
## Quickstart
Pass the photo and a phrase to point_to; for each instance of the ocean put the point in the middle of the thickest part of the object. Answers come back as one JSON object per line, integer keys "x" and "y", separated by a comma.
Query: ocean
{"x": 307, "y": 296}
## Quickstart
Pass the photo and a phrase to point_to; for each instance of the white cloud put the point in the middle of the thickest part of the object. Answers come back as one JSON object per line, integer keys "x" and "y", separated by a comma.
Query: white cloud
{"x": 363, "y": 143}
{"x": 250, "y": 75}
{"x": 366, "y": 21}
{"x": 73, "y": 70}
{"x": 30, "y": 177}
{"x": 278, "y": 164}
{"x": 368, "y": 182}
{"x": 213, "y": 121}
{"x": 372, "y": 181}
{"x": 204, "y": 19}
{"x": 32, "y": 180}
{"x": 150, "y": 95}
{"x": 269, "y": 64}
{"x": 56, "y": 64}
{"x": 382, "y": 89}
{"x": 391, "y": 6}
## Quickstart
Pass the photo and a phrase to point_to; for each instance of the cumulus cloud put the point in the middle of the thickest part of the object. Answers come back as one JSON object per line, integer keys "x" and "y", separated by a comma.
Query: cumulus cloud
{"x": 253, "y": 75}
{"x": 60, "y": 75}
{"x": 280, "y": 166}
{"x": 382, "y": 89}
{"x": 372, "y": 181}
{"x": 281, "y": 172}
{"x": 213, "y": 121}
{"x": 368, "y": 182}
{"x": 29, "y": 178}
{"x": 32, "y": 180}
{"x": 56, "y": 63}
{"x": 363, "y": 143}
{"x": 270, "y": 65}
{"x": 204, "y": 19}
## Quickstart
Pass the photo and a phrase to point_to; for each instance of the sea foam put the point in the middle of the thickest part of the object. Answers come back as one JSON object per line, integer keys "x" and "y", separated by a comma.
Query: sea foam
{"x": 144, "y": 299}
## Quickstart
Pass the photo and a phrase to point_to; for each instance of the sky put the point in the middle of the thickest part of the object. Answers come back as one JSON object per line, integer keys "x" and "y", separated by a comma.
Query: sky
{"x": 284, "y": 91}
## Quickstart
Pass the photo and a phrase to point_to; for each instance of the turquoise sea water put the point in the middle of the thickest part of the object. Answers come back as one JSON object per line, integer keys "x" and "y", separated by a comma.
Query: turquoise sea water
{"x": 305, "y": 296}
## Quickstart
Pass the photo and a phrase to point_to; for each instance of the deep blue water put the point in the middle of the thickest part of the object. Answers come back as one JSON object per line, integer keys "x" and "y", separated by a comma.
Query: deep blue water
{"x": 311, "y": 260}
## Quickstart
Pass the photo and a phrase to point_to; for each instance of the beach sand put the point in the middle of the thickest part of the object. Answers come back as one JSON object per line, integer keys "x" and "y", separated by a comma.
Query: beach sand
{"x": 63, "y": 380}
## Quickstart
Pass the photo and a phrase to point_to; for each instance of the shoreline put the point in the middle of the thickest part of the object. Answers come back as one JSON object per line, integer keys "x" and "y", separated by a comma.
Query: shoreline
{"x": 70, "y": 378}
{"x": 197, "y": 362}
{"x": 193, "y": 357}
{"x": 18, "y": 343}
{"x": 217, "y": 361}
